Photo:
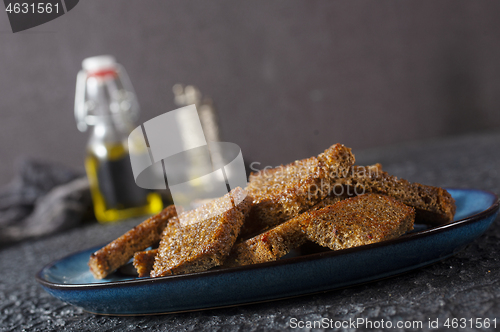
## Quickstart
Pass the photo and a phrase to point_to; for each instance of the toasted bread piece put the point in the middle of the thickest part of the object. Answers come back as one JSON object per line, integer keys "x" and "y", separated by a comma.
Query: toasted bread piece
{"x": 268, "y": 246}
{"x": 117, "y": 253}
{"x": 143, "y": 262}
{"x": 276, "y": 242}
{"x": 357, "y": 221}
{"x": 286, "y": 191}
{"x": 433, "y": 205}
{"x": 195, "y": 245}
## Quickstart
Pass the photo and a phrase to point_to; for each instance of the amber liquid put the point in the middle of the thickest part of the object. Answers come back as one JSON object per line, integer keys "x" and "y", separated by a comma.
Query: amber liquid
{"x": 115, "y": 194}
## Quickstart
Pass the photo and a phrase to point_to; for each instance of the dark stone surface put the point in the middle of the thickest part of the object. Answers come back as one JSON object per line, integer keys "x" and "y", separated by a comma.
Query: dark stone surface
{"x": 466, "y": 285}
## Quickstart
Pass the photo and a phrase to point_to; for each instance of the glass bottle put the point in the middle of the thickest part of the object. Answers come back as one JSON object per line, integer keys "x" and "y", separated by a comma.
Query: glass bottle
{"x": 105, "y": 100}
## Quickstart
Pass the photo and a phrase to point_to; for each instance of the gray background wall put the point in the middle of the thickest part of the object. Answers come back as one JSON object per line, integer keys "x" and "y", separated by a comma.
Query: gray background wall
{"x": 289, "y": 78}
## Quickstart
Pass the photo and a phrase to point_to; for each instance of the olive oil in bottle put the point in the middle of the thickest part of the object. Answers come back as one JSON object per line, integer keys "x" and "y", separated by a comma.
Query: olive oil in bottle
{"x": 114, "y": 192}
{"x": 104, "y": 101}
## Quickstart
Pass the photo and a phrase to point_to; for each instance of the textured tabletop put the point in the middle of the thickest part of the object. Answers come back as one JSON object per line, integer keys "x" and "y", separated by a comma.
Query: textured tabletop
{"x": 466, "y": 285}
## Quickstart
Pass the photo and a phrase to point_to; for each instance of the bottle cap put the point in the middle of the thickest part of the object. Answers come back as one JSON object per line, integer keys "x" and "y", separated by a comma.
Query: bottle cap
{"x": 99, "y": 63}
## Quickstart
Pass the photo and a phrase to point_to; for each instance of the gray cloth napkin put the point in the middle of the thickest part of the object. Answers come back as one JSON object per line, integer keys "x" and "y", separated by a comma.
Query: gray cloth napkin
{"x": 42, "y": 199}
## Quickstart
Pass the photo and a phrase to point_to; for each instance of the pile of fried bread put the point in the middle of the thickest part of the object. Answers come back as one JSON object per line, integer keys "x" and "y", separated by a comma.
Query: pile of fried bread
{"x": 325, "y": 199}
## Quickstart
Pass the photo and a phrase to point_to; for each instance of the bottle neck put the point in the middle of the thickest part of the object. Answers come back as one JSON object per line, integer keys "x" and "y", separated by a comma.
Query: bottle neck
{"x": 106, "y": 102}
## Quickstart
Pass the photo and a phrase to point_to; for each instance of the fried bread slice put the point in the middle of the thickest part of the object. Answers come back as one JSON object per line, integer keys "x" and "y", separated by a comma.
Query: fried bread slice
{"x": 357, "y": 221}
{"x": 118, "y": 252}
{"x": 195, "y": 245}
{"x": 286, "y": 191}
{"x": 276, "y": 242}
{"x": 433, "y": 205}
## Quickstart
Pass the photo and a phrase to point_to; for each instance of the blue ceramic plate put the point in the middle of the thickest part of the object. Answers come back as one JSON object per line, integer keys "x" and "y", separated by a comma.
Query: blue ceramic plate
{"x": 69, "y": 279}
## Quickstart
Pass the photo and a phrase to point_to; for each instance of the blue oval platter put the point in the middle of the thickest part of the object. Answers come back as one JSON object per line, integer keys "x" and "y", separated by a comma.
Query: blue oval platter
{"x": 70, "y": 280}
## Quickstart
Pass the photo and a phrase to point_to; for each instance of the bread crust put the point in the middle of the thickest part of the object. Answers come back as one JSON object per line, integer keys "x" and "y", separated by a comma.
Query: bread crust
{"x": 118, "y": 252}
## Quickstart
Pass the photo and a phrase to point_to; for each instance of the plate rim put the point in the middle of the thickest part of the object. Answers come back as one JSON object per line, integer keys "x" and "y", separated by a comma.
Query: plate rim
{"x": 492, "y": 209}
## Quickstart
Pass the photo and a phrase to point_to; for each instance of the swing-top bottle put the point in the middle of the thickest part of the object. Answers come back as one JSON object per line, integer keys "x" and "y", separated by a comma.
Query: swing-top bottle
{"x": 105, "y": 102}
